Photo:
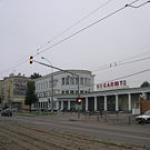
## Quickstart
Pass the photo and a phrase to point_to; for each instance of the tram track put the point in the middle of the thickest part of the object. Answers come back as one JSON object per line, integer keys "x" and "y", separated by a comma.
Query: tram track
{"x": 35, "y": 136}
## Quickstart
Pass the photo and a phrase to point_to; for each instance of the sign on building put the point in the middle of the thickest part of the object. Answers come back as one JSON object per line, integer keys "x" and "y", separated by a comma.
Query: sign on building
{"x": 112, "y": 85}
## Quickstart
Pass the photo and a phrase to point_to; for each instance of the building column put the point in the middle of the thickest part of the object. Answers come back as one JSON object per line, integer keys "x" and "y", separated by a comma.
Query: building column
{"x": 116, "y": 103}
{"x": 62, "y": 105}
{"x": 105, "y": 103}
{"x": 144, "y": 95}
{"x": 39, "y": 105}
{"x": 68, "y": 104}
{"x": 129, "y": 102}
{"x": 86, "y": 104}
{"x": 95, "y": 103}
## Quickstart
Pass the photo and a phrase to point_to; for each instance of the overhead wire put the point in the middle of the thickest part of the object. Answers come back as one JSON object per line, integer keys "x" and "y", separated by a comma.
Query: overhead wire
{"x": 120, "y": 63}
{"x": 136, "y": 60}
{"x": 138, "y": 6}
{"x": 129, "y": 75}
{"x": 88, "y": 26}
{"x": 79, "y": 21}
{"x": 66, "y": 30}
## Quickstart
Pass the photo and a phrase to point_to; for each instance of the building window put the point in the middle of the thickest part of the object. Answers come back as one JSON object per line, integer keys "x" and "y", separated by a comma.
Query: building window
{"x": 71, "y": 92}
{"x": 77, "y": 81}
{"x": 81, "y": 81}
{"x": 89, "y": 82}
{"x": 50, "y": 83}
{"x": 46, "y": 84}
{"x": 71, "y": 80}
{"x": 63, "y": 92}
{"x": 63, "y": 81}
{"x": 77, "y": 92}
{"x": 67, "y": 92}
{"x": 67, "y": 80}
{"x": 81, "y": 91}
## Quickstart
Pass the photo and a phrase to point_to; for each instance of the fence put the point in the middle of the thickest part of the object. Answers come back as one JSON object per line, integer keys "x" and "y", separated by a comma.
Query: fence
{"x": 112, "y": 117}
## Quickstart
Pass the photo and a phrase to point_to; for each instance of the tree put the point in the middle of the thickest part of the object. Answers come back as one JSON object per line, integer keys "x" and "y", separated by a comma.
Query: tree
{"x": 30, "y": 94}
{"x": 35, "y": 75}
{"x": 145, "y": 84}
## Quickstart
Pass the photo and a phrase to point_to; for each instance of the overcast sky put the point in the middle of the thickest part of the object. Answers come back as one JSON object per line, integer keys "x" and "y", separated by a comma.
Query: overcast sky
{"x": 28, "y": 26}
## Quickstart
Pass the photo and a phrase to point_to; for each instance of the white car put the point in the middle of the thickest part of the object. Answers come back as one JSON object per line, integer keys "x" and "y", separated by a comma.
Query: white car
{"x": 144, "y": 118}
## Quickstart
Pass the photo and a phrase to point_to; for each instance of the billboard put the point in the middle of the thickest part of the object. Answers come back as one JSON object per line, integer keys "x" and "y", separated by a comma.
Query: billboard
{"x": 112, "y": 85}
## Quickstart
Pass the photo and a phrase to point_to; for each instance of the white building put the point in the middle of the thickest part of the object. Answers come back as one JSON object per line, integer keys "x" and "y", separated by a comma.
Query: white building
{"x": 60, "y": 83}
{"x": 64, "y": 93}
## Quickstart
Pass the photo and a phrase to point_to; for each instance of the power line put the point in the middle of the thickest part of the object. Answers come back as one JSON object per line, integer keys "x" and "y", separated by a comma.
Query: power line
{"x": 138, "y": 6}
{"x": 85, "y": 28}
{"x": 129, "y": 75}
{"x": 66, "y": 30}
{"x": 89, "y": 26}
{"x": 136, "y": 60}
{"x": 78, "y": 22}
{"x": 116, "y": 64}
{"x": 137, "y": 55}
{"x": 13, "y": 67}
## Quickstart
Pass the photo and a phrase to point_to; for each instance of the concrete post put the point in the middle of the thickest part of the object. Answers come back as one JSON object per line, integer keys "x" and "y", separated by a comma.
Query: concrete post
{"x": 86, "y": 104}
{"x": 105, "y": 103}
{"x": 62, "y": 105}
{"x": 68, "y": 104}
{"x": 129, "y": 102}
{"x": 95, "y": 103}
{"x": 116, "y": 103}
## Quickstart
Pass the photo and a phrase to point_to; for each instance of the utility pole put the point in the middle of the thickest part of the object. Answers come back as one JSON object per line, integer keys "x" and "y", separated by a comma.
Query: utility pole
{"x": 31, "y": 60}
{"x": 52, "y": 84}
{"x": 52, "y": 94}
{"x": 72, "y": 73}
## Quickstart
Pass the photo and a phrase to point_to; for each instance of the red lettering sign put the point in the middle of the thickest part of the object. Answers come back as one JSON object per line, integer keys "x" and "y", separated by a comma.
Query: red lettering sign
{"x": 112, "y": 84}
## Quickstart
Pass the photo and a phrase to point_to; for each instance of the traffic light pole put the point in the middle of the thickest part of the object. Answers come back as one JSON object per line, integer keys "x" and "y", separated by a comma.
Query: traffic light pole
{"x": 52, "y": 84}
{"x": 72, "y": 73}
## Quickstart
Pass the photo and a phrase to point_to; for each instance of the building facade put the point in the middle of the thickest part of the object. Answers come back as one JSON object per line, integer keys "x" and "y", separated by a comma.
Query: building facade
{"x": 14, "y": 90}
{"x": 63, "y": 87}
{"x": 126, "y": 100}
{"x": 63, "y": 83}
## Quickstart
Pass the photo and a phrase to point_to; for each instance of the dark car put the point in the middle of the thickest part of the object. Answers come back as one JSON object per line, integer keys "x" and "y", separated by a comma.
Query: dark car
{"x": 6, "y": 112}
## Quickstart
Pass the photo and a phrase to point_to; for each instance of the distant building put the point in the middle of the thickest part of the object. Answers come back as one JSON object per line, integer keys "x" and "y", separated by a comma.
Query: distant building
{"x": 14, "y": 90}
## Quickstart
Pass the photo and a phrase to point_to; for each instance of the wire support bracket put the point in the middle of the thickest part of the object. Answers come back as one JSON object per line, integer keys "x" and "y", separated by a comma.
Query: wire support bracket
{"x": 138, "y": 6}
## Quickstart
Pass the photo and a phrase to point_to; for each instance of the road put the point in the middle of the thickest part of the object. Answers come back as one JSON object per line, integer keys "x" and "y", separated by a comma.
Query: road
{"x": 135, "y": 136}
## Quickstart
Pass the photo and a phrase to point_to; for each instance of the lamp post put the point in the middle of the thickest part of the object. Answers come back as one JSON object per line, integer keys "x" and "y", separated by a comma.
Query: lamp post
{"x": 52, "y": 84}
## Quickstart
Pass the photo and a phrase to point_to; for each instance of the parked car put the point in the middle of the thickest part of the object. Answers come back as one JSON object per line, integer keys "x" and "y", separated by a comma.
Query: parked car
{"x": 6, "y": 112}
{"x": 144, "y": 118}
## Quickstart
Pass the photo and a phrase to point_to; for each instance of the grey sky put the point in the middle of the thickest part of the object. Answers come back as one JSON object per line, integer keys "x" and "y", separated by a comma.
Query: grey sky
{"x": 27, "y": 25}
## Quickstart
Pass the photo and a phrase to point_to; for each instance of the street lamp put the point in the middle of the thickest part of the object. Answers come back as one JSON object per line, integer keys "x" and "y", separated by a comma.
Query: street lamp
{"x": 52, "y": 86}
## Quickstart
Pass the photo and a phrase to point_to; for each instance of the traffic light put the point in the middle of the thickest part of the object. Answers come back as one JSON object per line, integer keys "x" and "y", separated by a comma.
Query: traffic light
{"x": 79, "y": 100}
{"x": 31, "y": 59}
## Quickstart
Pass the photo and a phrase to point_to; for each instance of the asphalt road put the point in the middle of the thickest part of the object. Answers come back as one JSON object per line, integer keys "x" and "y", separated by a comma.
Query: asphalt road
{"x": 135, "y": 134}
